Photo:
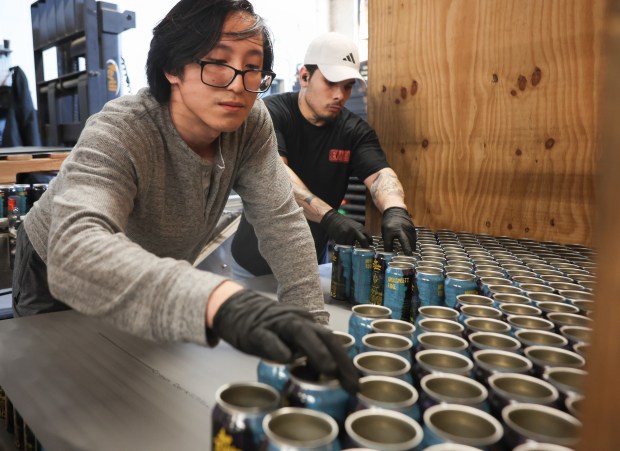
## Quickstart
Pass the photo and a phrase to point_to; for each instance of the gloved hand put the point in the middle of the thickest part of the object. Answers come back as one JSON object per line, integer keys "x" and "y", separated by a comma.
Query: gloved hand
{"x": 344, "y": 230}
{"x": 397, "y": 224}
{"x": 262, "y": 327}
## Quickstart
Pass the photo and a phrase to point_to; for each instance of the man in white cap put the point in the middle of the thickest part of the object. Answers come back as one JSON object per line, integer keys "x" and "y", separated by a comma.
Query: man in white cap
{"x": 323, "y": 144}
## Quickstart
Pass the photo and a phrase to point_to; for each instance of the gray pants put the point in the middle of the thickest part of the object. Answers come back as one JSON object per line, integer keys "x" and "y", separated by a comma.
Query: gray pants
{"x": 31, "y": 293}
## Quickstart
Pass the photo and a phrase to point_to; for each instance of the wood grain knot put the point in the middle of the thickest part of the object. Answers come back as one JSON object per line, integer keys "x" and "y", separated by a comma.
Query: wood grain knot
{"x": 495, "y": 78}
{"x": 414, "y": 87}
{"x": 549, "y": 143}
{"x": 522, "y": 82}
{"x": 536, "y": 76}
{"x": 518, "y": 152}
{"x": 425, "y": 143}
{"x": 383, "y": 88}
{"x": 403, "y": 92}
{"x": 513, "y": 93}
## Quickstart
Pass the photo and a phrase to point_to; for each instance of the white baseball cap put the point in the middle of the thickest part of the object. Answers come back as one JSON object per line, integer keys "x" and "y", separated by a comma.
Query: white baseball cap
{"x": 336, "y": 55}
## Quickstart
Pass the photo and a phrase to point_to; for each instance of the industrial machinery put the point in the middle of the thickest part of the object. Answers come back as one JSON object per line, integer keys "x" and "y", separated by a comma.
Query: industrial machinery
{"x": 85, "y": 34}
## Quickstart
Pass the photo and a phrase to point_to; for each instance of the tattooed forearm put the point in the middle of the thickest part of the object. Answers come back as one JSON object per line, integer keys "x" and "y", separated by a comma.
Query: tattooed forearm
{"x": 314, "y": 207}
{"x": 302, "y": 194}
{"x": 386, "y": 185}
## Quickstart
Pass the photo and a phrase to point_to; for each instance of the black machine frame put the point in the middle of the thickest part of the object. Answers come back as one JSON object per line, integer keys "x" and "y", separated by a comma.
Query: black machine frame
{"x": 86, "y": 30}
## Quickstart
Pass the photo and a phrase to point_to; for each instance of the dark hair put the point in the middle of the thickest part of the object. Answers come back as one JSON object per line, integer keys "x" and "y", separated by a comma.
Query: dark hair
{"x": 189, "y": 31}
{"x": 311, "y": 68}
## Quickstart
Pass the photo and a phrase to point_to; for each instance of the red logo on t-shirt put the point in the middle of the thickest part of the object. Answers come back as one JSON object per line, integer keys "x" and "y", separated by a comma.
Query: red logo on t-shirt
{"x": 339, "y": 156}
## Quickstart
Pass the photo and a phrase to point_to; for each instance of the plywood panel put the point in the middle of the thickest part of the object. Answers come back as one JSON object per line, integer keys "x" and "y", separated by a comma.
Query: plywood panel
{"x": 601, "y": 414}
{"x": 488, "y": 111}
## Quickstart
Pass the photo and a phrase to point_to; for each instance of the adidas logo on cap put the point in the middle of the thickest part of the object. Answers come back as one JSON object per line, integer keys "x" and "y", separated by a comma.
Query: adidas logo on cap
{"x": 336, "y": 55}
{"x": 350, "y": 58}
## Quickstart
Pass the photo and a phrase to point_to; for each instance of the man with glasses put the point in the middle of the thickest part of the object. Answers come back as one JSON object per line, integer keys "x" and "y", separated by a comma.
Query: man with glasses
{"x": 140, "y": 194}
{"x": 323, "y": 144}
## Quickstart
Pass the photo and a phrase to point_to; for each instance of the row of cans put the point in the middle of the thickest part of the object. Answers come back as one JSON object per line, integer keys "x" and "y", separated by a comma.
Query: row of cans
{"x": 20, "y": 197}
{"x": 366, "y": 276}
{"x": 446, "y": 265}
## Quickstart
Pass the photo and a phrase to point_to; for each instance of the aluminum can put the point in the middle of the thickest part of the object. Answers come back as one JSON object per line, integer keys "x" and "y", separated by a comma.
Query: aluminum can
{"x": 37, "y": 191}
{"x": 296, "y": 428}
{"x": 429, "y": 288}
{"x": 510, "y": 388}
{"x": 360, "y": 322}
{"x": 309, "y": 389}
{"x": 381, "y": 429}
{"x": 404, "y": 258}
{"x": 528, "y": 422}
{"x": 273, "y": 373}
{"x": 379, "y": 265}
{"x": 22, "y": 191}
{"x": 443, "y": 424}
{"x": 4, "y": 199}
{"x": 362, "y": 275}
{"x": 347, "y": 341}
{"x": 399, "y": 289}
{"x": 396, "y": 344}
{"x": 237, "y": 418}
{"x": 12, "y": 195}
{"x": 384, "y": 392}
{"x": 341, "y": 272}
{"x": 446, "y": 388}
{"x": 457, "y": 283}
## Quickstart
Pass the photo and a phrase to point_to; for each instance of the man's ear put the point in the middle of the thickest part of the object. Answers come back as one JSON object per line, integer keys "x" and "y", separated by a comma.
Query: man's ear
{"x": 172, "y": 79}
{"x": 304, "y": 76}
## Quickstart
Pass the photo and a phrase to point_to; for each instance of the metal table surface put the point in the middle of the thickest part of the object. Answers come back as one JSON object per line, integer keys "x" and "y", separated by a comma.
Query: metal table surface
{"x": 83, "y": 385}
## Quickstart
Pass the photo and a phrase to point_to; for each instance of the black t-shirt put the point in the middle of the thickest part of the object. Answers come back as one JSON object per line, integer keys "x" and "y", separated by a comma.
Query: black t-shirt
{"x": 322, "y": 157}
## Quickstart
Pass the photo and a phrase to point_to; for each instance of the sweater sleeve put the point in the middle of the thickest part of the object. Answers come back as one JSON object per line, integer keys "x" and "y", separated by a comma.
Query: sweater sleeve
{"x": 283, "y": 234}
{"x": 95, "y": 268}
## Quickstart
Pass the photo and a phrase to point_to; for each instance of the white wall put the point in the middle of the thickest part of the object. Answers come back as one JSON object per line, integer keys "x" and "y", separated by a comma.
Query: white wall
{"x": 16, "y": 26}
{"x": 291, "y": 37}
{"x": 293, "y": 22}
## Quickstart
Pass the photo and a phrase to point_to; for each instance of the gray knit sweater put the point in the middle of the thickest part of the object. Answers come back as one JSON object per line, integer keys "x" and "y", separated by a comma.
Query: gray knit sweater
{"x": 133, "y": 206}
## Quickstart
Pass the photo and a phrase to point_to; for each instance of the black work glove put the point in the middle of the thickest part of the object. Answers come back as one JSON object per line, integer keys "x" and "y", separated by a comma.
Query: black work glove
{"x": 344, "y": 230}
{"x": 262, "y": 327}
{"x": 397, "y": 224}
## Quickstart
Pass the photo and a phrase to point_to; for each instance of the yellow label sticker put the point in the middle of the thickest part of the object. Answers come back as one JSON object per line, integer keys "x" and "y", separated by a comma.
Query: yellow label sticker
{"x": 223, "y": 442}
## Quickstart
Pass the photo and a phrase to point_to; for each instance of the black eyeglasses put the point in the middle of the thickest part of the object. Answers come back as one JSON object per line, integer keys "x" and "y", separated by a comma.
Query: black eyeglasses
{"x": 220, "y": 75}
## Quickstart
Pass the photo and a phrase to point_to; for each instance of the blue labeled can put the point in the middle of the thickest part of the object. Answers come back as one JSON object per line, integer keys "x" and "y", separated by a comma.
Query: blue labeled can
{"x": 341, "y": 272}
{"x": 360, "y": 322}
{"x": 362, "y": 275}
{"x": 399, "y": 289}
{"x": 237, "y": 418}
{"x": 429, "y": 287}
{"x": 22, "y": 191}
{"x": 379, "y": 265}
{"x": 458, "y": 283}
{"x": 309, "y": 389}
{"x": 272, "y": 373}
